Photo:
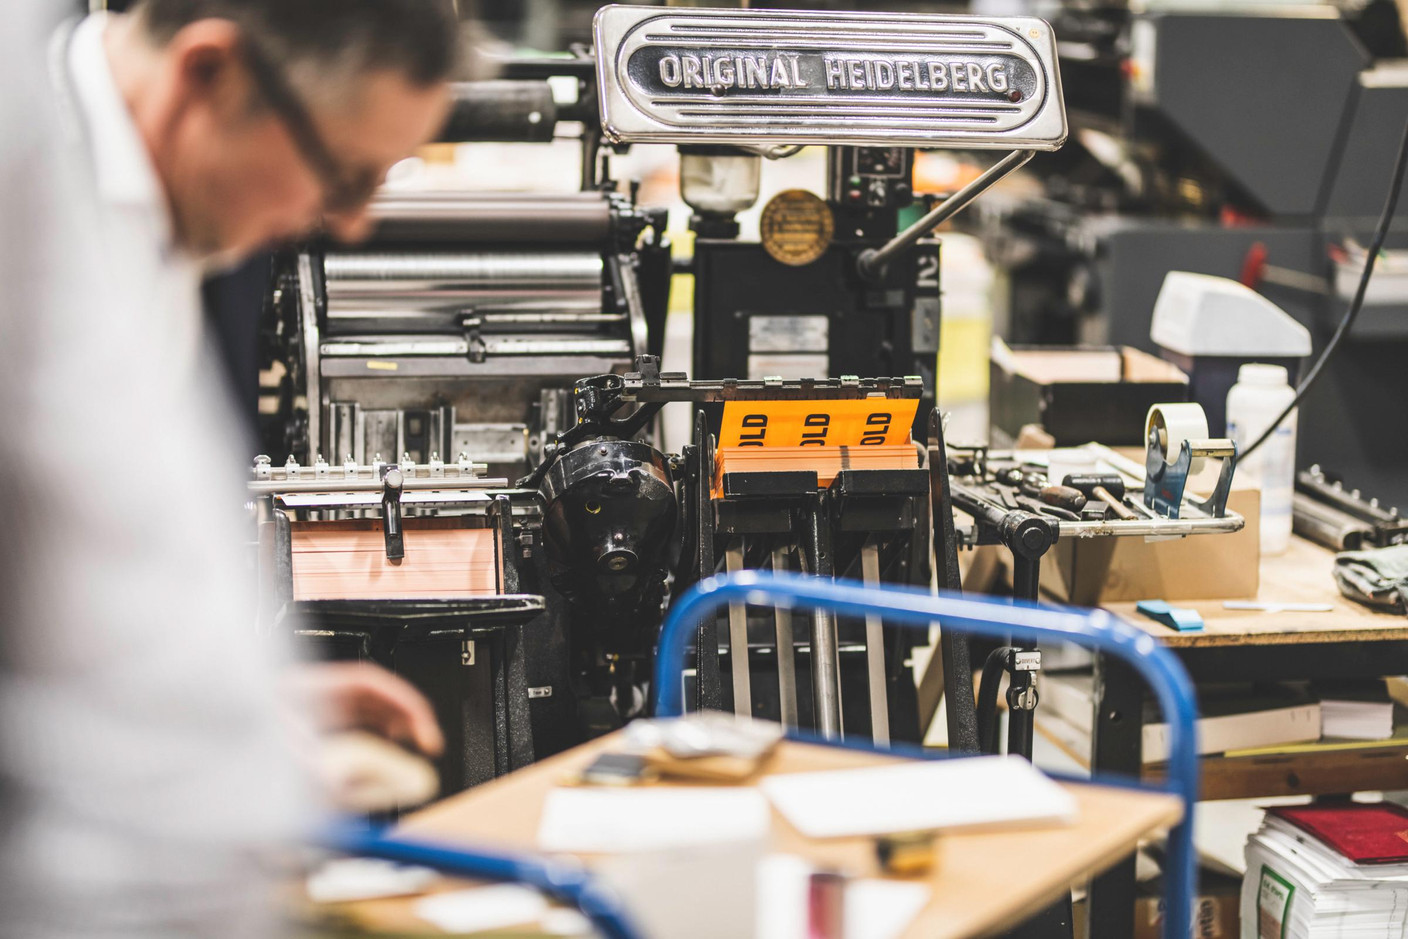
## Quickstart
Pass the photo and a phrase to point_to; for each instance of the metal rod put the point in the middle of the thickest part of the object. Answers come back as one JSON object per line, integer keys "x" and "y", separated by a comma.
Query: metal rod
{"x": 786, "y": 655}
{"x": 1020, "y": 723}
{"x": 261, "y": 487}
{"x": 492, "y": 218}
{"x": 738, "y": 638}
{"x": 565, "y": 881}
{"x": 957, "y": 680}
{"x": 312, "y": 370}
{"x": 708, "y": 685}
{"x": 826, "y": 673}
{"x": 872, "y": 261}
{"x": 875, "y": 650}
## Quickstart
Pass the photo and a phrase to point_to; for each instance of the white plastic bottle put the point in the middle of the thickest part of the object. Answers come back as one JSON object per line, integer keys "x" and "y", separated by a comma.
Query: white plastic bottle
{"x": 1262, "y": 392}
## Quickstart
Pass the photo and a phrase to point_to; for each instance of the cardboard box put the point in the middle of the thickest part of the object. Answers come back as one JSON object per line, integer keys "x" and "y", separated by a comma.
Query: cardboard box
{"x": 1216, "y": 909}
{"x": 1078, "y": 395}
{"x": 1094, "y": 571}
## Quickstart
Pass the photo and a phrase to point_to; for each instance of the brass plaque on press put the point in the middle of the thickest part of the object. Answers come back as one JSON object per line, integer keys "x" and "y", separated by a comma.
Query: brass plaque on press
{"x": 796, "y": 227}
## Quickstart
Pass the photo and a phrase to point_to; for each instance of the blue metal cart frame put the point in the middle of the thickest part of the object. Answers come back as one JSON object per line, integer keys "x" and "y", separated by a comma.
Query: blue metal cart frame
{"x": 562, "y": 879}
{"x": 917, "y": 609}
{"x": 571, "y": 883}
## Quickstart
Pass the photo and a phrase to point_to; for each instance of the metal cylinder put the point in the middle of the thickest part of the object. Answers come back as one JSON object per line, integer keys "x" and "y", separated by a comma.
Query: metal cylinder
{"x": 381, "y": 273}
{"x": 414, "y": 291}
{"x": 500, "y": 110}
{"x": 501, "y": 218}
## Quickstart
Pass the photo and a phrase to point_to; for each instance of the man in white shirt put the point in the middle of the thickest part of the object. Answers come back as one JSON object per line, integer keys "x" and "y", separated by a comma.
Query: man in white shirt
{"x": 146, "y": 765}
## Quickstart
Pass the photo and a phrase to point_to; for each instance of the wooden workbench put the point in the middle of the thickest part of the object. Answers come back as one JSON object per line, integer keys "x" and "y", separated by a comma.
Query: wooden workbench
{"x": 1301, "y": 575}
{"x": 1351, "y": 641}
{"x": 975, "y": 889}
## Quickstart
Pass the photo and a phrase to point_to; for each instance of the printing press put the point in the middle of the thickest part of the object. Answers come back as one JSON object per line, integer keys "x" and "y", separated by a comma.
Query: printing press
{"x": 448, "y": 345}
{"x": 461, "y": 324}
{"x": 428, "y": 355}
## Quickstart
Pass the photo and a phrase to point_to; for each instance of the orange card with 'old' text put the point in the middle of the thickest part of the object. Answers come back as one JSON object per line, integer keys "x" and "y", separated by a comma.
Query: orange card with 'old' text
{"x": 840, "y": 423}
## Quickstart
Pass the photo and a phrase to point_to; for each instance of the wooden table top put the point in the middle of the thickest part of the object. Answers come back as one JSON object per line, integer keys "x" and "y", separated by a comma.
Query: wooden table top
{"x": 1302, "y": 575}
{"x": 983, "y": 882}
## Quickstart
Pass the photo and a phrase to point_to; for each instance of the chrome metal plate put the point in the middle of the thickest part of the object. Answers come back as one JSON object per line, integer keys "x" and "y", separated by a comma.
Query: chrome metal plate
{"x": 760, "y": 77}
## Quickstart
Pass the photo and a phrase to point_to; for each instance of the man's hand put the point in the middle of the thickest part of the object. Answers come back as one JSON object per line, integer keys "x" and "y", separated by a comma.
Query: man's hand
{"x": 347, "y": 695}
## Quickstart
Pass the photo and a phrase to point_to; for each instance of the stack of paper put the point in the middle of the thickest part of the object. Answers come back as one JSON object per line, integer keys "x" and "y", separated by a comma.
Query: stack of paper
{"x": 1231, "y": 717}
{"x": 1355, "y": 710}
{"x": 346, "y": 560}
{"x": 610, "y": 821}
{"x": 977, "y": 792}
{"x": 1328, "y": 872}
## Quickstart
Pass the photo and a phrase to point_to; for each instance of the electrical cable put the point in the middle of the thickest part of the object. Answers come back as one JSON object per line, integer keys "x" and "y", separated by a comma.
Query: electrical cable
{"x": 1385, "y": 220}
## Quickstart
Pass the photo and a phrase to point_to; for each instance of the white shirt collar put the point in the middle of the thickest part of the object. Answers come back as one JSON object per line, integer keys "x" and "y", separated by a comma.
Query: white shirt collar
{"x": 126, "y": 177}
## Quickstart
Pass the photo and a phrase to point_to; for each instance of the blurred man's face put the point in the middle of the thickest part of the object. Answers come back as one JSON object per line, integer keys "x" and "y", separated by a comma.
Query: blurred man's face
{"x": 237, "y": 168}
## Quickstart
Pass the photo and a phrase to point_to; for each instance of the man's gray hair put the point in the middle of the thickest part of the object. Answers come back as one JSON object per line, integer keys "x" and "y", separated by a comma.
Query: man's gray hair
{"x": 329, "y": 39}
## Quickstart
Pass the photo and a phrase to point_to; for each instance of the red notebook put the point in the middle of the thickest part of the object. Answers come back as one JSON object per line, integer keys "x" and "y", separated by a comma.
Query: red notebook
{"x": 1365, "y": 833}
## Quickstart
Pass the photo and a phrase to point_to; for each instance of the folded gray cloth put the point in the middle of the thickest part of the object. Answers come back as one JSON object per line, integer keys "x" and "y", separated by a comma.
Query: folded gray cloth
{"x": 1377, "y": 577}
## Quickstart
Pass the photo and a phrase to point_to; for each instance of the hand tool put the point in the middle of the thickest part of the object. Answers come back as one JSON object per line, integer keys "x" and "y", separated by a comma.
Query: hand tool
{"x": 1062, "y": 497}
{"x": 1107, "y": 487}
{"x": 1037, "y": 486}
{"x": 1042, "y": 508}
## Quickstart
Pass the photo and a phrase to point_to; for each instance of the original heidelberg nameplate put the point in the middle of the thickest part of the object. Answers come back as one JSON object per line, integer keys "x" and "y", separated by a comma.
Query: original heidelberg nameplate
{"x": 759, "y": 77}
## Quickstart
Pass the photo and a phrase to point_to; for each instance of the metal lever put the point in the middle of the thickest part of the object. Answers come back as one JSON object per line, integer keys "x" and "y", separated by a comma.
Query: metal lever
{"x": 872, "y": 261}
{"x": 825, "y": 646}
{"x": 391, "y": 483}
{"x": 875, "y": 651}
{"x": 738, "y": 639}
{"x": 786, "y": 652}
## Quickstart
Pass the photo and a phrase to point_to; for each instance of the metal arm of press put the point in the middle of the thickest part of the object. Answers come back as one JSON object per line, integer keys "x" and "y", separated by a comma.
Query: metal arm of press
{"x": 872, "y": 261}
{"x": 392, "y": 482}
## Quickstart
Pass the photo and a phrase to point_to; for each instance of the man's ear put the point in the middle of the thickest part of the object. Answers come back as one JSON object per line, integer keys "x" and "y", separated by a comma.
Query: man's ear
{"x": 207, "y": 65}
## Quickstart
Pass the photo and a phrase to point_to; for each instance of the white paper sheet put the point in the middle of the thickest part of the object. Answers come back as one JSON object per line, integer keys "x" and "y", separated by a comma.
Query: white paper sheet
{"x": 993, "y": 791}
{"x": 482, "y": 908}
{"x": 599, "y": 820}
{"x": 347, "y": 879}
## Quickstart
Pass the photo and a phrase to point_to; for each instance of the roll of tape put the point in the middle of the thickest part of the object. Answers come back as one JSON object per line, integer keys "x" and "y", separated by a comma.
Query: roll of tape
{"x": 1176, "y": 423}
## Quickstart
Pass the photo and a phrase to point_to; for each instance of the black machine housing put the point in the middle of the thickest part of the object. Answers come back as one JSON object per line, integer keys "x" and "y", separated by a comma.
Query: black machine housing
{"x": 753, "y": 315}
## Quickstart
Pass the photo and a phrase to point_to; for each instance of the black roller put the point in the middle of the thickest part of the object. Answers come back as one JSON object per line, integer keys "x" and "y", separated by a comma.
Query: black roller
{"x": 501, "y": 218}
{"x": 506, "y": 111}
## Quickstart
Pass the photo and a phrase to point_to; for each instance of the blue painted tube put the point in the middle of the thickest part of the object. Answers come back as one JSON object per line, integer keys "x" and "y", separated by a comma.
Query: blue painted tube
{"x": 563, "y": 880}
{"x": 918, "y": 609}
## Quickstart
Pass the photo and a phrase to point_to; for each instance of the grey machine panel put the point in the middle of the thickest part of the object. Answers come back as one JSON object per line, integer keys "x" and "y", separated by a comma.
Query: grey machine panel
{"x": 769, "y": 77}
{"x": 1356, "y": 192}
{"x": 1272, "y": 128}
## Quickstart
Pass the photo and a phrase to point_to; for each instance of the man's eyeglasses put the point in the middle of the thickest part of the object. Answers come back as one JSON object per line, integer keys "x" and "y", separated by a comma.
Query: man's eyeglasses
{"x": 343, "y": 191}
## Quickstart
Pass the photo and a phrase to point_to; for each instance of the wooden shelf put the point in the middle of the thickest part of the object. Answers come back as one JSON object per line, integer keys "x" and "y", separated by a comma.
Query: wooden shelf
{"x": 1319, "y": 772}
{"x": 1326, "y": 769}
